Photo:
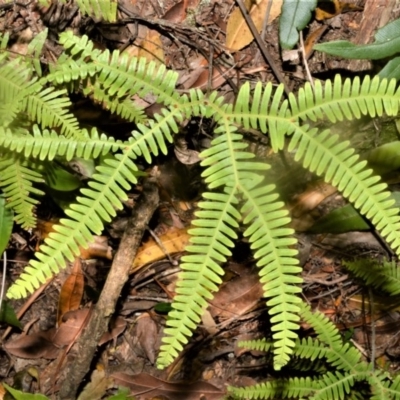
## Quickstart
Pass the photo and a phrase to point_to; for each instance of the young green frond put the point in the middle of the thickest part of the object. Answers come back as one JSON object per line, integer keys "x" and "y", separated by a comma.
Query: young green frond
{"x": 271, "y": 239}
{"x": 211, "y": 243}
{"x": 381, "y": 275}
{"x": 16, "y": 180}
{"x": 97, "y": 205}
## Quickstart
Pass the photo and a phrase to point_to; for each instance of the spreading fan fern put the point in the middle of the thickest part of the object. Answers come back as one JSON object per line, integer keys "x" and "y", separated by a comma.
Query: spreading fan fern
{"x": 237, "y": 191}
{"x": 341, "y": 357}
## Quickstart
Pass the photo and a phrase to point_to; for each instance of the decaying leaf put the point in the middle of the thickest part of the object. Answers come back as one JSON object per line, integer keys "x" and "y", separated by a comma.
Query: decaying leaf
{"x": 174, "y": 241}
{"x": 117, "y": 326}
{"x": 239, "y": 295}
{"x": 146, "y": 331}
{"x": 97, "y": 249}
{"x": 238, "y": 34}
{"x": 329, "y": 9}
{"x": 149, "y": 386}
{"x": 71, "y": 291}
{"x": 97, "y": 386}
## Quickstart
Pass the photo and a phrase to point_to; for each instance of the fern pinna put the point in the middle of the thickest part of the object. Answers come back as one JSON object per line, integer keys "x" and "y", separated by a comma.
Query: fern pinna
{"x": 237, "y": 193}
{"x": 340, "y": 357}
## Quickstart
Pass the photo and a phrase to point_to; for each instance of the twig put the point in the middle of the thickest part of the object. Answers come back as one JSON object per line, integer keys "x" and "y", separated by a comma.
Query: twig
{"x": 262, "y": 47}
{"x": 373, "y": 328}
{"x": 117, "y": 277}
{"x": 303, "y": 53}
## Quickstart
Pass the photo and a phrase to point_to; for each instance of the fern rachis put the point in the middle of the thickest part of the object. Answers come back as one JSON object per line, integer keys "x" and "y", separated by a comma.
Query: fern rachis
{"x": 237, "y": 192}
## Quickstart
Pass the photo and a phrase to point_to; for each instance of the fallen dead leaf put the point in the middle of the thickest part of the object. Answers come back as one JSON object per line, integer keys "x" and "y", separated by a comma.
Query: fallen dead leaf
{"x": 71, "y": 291}
{"x": 174, "y": 241}
{"x": 145, "y": 386}
{"x": 239, "y": 295}
{"x": 146, "y": 331}
{"x": 238, "y": 34}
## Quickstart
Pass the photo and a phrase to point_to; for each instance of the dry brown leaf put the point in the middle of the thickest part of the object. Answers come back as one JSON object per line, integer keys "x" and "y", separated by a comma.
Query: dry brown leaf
{"x": 174, "y": 241}
{"x": 312, "y": 39}
{"x": 310, "y": 198}
{"x": 238, "y": 34}
{"x": 96, "y": 388}
{"x": 71, "y": 292}
{"x": 72, "y": 324}
{"x": 146, "y": 332}
{"x": 177, "y": 13}
{"x": 239, "y": 295}
{"x": 152, "y": 48}
{"x": 326, "y": 10}
{"x": 97, "y": 249}
{"x": 150, "y": 387}
{"x": 35, "y": 345}
{"x": 117, "y": 326}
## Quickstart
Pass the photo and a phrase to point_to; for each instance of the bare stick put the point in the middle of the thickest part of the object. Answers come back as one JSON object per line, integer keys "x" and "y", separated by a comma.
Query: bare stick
{"x": 116, "y": 279}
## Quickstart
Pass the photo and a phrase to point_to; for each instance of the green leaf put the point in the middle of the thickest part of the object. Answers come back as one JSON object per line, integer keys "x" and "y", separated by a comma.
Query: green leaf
{"x": 59, "y": 179}
{"x": 122, "y": 394}
{"x": 341, "y": 220}
{"x": 7, "y": 315}
{"x": 18, "y": 395}
{"x": 387, "y": 43}
{"x": 384, "y": 158}
{"x": 391, "y": 70}
{"x": 6, "y": 224}
{"x": 295, "y": 16}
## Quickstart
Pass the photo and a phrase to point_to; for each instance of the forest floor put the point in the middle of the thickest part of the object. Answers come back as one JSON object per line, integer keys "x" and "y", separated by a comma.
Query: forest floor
{"x": 196, "y": 38}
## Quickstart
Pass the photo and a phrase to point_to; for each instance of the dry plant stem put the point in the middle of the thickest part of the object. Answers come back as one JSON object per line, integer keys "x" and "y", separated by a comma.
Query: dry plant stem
{"x": 117, "y": 277}
{"x": 262, "y": 47}
{"x": 303, "y": 54}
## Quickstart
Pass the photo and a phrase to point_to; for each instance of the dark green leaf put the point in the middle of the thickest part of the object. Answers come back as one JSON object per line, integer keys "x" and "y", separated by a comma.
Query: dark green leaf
{"x": 384, "y": 158}
{"x": 163, "y": 308}
{"x": 60, "y": 179}
{"x": 7, "y": 315}
{"x": 6, "y": 224}
{"x": 341, "y": 220}
{"x": 18, "y": 395}
{"x": 387, "y": 43}
{"x": 391, "y": 69}
{"x": 294, "y": 17}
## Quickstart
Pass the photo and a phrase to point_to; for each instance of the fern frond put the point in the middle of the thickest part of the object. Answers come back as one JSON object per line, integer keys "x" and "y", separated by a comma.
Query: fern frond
{"x": 321, "y": 153}
{"x": 265, "y": 111}
{"x": 210, "y": 245}
{"x": 17, "y": 179}
{"x": 105, "y": 10}
{"x": 381, "y": 385}
{"x": 47, "y": 145}
{"x": 50, "y": 108}
{"x": 276, "y": 389}
{"x": 340, "y": 355}
{"x": 121, "y": 75}
{"x": 14, "y": 80}
{"x": 98, "y": 203}
{"x": 349, "y": 100}
{"x": 385, "y": 275}
{"x": 152, "y": 138}
{"x": 270, "y": 238}
{"x": 122, "y": 107}
{"x": 333, "y": 386}
{"x": 393, "y": 388}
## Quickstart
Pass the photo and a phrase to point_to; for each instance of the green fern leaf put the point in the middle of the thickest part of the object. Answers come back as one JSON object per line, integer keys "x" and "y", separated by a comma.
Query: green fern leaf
{"x": 16, "y": 180}
{"x": 48, "y": 145}
{"x": 320, "y": 153}
{"x": 385, "y": 276}
{"x": 267, "y": 112}
{"x": 108, "y": 186}
{"x": 279, "y": 266}
{"x": 100, "y": 9}
{"x": 210, "y": 245}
